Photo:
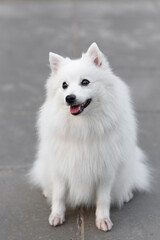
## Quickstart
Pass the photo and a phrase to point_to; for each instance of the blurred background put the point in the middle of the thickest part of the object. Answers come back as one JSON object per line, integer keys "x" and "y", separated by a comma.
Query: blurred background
{"x": 128, "y": 32}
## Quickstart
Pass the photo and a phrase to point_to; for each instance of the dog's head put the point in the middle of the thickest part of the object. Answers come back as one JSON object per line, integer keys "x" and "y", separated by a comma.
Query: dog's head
{"x": 78, "y": 85}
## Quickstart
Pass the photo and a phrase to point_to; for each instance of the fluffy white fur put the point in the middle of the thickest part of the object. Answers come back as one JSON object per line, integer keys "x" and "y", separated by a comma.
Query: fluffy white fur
{"x": 91, "y": 158}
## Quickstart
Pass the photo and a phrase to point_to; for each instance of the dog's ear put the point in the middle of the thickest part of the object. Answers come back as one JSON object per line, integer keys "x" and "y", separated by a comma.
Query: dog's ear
{"x": 55, "y": 61}
{"x": 95, "y": 54}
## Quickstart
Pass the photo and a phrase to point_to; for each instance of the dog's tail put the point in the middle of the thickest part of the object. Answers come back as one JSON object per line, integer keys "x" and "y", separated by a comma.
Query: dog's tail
{"x": 143, "y": 180}
{"x": 35, "y": 175}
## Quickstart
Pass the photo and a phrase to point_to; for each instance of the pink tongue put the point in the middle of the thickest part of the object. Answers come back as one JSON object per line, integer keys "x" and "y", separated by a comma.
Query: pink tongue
{"x": 75, "y": 109}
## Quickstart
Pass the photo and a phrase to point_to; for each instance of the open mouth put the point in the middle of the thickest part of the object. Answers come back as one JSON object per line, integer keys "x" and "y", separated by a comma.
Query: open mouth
{"x": 77, "y": 109}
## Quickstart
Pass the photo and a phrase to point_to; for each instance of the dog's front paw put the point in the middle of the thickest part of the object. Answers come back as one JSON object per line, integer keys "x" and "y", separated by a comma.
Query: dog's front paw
{"x": 56, "y": 219}
{"x": 104, "y": 224}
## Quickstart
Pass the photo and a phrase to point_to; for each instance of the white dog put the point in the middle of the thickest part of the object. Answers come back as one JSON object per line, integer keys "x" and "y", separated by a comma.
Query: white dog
{"x": 87, "y": 153}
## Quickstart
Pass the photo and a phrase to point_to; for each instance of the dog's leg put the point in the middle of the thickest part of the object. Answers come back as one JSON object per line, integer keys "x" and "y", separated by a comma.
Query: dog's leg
{"x": 103, "y": 221}
{"x": 57, "y": 216}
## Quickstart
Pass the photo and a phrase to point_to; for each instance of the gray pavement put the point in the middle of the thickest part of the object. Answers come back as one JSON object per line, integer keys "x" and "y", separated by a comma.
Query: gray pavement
{"x": 129, "y": 34}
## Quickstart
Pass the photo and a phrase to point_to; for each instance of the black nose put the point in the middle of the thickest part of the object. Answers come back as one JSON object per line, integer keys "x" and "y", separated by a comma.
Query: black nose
{"x": 70, "y": 98}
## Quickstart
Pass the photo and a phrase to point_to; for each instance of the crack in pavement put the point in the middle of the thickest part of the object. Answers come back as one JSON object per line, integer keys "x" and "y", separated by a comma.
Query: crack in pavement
{"x": 14, "y": 169}
{"x": 80, "y": 224}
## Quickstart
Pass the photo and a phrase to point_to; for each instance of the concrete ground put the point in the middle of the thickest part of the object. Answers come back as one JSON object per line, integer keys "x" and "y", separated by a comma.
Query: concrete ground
{"x": 129, "y": 34}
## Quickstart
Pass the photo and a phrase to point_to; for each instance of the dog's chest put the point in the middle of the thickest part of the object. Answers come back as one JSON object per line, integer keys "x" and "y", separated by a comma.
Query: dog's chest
{"x": 81, "y": 160}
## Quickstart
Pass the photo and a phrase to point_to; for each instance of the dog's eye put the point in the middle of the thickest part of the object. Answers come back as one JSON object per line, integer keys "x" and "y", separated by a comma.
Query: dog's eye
{"x": 64, "y": 85}
{"x": 85, "y": 82}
